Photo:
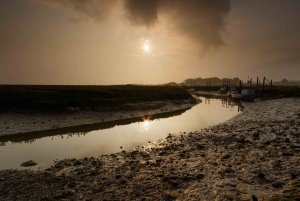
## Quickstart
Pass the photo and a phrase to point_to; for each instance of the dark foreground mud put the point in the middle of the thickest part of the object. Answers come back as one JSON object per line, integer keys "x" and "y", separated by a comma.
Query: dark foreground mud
{"x": 254, "y": 156}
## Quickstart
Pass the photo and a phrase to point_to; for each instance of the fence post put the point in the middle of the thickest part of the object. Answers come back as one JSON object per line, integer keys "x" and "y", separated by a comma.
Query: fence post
{"x": 271, "y": 83}
{"x": 264, "y": 80}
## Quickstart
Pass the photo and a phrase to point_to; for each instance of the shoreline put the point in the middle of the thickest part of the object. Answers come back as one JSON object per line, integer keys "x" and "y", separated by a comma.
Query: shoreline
{"x": 210, "y": 94}
{"x": 255, "y": 155}
{"x": 31, "y": 123}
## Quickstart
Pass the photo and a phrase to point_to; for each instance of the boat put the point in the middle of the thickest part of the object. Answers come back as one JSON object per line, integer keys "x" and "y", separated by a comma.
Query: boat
{"x": 223, "y": 90}
{"x": 245, "y": 94}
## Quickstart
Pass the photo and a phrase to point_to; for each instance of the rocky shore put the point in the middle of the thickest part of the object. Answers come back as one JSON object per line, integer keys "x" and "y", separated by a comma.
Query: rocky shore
{"x": 254, "y": 156}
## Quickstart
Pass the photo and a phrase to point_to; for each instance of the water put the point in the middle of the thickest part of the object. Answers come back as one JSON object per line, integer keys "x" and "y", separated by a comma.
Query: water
{"x": 44, "y": 147}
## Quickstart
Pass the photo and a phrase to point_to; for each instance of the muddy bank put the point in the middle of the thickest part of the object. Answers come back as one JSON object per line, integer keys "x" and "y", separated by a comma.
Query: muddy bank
{"x": 251, "y": 157}
{"x": 12, "y": 123}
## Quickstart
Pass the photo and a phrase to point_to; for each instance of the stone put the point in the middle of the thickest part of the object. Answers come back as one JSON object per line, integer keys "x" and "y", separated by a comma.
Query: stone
{"x": 228, "y": 170}
{"x": 278, "y": 184}
{"x": 200, "y": 176}
{"x": 226, "y": 156}
{"x": 255, "y": 135}
{"x": 254, "y": 198}
{"x": 261, "y": 175}
{"x": 28, "y": 163}
{"x": 168, "y": 197}
{"x": 77, "y": 162}
{"x": 294, "y": 145}
{"x": 45, "y": 198}
{"x": 64, "y": 194}
{"x": 72, "y": 184}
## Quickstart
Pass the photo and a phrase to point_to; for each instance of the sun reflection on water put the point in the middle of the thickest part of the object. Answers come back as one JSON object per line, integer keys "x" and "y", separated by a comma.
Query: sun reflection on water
{"x": 145, "y": 125}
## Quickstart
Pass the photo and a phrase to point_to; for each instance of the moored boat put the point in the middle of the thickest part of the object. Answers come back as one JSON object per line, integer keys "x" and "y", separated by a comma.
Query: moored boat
{"x": 223, "y": 90}
{"x": 246, "y": 94}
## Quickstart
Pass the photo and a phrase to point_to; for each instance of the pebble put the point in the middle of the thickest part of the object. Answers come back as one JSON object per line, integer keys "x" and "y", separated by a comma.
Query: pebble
{"x": 28, "y": 163}
{"x": 278, "y": 184}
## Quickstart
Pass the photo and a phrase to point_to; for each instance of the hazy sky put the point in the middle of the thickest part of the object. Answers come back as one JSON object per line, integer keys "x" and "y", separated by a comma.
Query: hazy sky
{"x": 147, "y": 41}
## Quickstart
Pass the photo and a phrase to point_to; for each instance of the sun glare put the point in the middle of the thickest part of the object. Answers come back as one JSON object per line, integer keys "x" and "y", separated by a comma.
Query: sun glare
{"x": 146, "y": 47}
{"x": 146, "y": 123}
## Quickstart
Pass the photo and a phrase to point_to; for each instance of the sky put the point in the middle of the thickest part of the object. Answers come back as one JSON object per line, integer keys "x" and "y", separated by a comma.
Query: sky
{"x": 93, "y": 42}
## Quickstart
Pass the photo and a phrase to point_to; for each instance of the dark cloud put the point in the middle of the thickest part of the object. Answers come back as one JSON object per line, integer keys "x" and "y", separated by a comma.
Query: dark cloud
{"x": 143, "y": 12}
{"x": 200, "y": 20}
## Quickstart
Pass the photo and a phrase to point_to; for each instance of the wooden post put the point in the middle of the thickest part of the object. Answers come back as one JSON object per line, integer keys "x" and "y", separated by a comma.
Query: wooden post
{"x": 240, "y": 90}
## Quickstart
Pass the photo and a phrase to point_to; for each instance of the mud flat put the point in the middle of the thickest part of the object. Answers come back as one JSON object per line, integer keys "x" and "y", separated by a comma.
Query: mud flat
{"x": 13, "y": 123}
{"x": 254, "y": 156}
{"x": 30, "y": 108}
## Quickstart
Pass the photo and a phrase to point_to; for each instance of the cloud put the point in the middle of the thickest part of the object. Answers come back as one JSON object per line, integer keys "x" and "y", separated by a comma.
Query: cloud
{"x": 97, "y": 9}
{"x": 200, "y": 20}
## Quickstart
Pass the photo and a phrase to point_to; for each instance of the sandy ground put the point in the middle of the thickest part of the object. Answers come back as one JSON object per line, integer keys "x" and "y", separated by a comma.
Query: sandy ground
{"x": 251, "y": 157}
{"x": 17, "y": 123}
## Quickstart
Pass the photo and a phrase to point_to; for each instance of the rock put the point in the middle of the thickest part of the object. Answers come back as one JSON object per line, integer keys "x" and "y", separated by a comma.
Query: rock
{"x": 226, "y": 156}
{"x": 45, "y": 198}
{"x": 173, "y": 182}
{"x": 261, "y": 175}
{"x": 60, "y": 165}
{"x": 294, "y": 145}
{"x": 72, "y": 184}
{"x": 255, "y": 135}
{"x": 200, "y": 146}
{"x": 77, "y": 162}
{"x": 241, "y": 140}
{"x": 228, "y": 170}
{"x": 28, "y": 163}
{"x": 278, "y": 184}
{"x": 294, "y": 175}
{"x": 94, "y": 173}
{"x": 123, "y": 181}
{"x": 168, "y": 197}
{"x": 287, "y": 154}
{"x": 254, "y": 198}
{"x": 268, "y": 142}
{"x": 200, "y": 176}
{"x": 64, "y": 194}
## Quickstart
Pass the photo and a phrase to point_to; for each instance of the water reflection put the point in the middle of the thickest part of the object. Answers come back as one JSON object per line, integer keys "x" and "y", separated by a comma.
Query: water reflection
{"x": 146, "y": 124}
{"x": 77, "y": 131}
{"x": 97, "y": 139}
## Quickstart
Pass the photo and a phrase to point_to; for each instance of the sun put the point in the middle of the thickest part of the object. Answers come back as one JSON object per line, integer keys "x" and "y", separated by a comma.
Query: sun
{"x": 146, "y": 47}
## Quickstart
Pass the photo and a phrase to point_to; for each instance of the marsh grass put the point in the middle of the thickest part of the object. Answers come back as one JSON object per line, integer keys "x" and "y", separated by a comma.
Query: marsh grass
{"x": 61, "y": 98}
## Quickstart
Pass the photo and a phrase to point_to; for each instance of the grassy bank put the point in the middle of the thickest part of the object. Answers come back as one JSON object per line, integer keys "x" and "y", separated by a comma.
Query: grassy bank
{"x": 61, "y": 98}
